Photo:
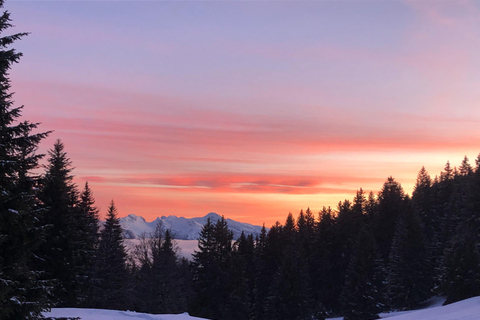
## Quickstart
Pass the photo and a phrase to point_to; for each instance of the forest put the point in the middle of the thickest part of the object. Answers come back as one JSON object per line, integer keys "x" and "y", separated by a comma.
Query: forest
{"x": 376, "y": 252}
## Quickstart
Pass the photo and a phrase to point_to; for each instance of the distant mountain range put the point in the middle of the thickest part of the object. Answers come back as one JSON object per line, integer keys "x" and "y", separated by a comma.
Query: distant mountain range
{"x": 182, "y": 228}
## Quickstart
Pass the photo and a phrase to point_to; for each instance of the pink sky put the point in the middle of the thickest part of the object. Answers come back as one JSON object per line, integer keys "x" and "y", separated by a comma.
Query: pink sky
{"x": 250, "y": 109}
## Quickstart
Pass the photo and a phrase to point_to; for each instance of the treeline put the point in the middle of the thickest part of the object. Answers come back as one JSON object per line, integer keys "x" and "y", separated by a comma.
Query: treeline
{"x": 376, "y": 253}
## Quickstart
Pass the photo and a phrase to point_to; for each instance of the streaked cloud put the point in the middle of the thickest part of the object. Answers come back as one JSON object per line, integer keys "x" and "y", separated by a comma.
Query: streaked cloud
{"x": 250, "y": 109}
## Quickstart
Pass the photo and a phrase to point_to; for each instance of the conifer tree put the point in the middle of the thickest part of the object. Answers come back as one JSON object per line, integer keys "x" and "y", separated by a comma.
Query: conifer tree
{"x": 465, "y": 168}
{"x": 473, "y": 196}
{"x": 359, "y": 203}
{"x": 147, "y": 282}
{"x": 89, "y": 230}
{"x": 242, "y": 278}
{"x": 289, "y": 298}
{"x": 306, "y": 234}
{"x": 461, "y": 269}
{"x": 22, "y": 294}
{"x": 288, "y": 231}
{"x": 363, "y": 292}
{"x": 166, "y": 294}
{"x": 390, "y": 207}
{"x": 111, "y": 277}
{"x": 266, "y": 264}
{"x": 325, "y": 274}
{"x": 422, "y": 201}
{"x": 410, "y": 274}
{"x": 346, "y": 228}
{"x": 63, "y": 253}
{"x": 213, "y": 265}
{"x": 90, "y": 214}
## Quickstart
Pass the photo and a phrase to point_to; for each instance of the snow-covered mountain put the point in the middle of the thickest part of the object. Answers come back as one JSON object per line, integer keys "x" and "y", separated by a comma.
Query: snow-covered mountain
{"x": 182, "y": 228}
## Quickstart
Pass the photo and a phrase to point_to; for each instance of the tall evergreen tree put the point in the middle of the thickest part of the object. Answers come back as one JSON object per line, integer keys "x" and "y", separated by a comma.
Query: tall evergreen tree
{"x": 422, "y": 200}
{"x": 89, "y": 232}
{"x": 461, "y": 269}
{"x": 90, "y": 213}
{"x": 363, "y": 292}
{"x": 242, "y": 278}
{"x": 473, "y": 196}
{"x": 63, "y": 253}
{"x": 22, "y": 295}
{"x": 161, "y": 287}
{"x": 111, "y": 278}
{"x": 213, "y": 263}
{"x": 390, "y": 207}
{"x": 410, "y": 274}
{"x": 306, "y": 234}
{"x": 345, "y": 230}
{"x": 289, "y": 298}
{"x": 268, "y": 253}
{"x": 465, "y": 168}
{"x": 359, "y": 203}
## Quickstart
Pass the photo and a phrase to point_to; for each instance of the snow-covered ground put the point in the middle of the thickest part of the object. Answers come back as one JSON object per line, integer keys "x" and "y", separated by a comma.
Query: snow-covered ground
{"x": 464, "y": 310}
{"x": 95, "y": 314}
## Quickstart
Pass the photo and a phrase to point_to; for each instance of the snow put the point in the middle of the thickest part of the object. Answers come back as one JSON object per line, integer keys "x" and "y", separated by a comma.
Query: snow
{"x": 463, "y": 310}
{"x": 182, "y": 228}
{"x": 98, "y": 314}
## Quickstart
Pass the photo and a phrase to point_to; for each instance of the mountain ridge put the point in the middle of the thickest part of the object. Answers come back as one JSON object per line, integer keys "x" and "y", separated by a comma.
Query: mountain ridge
{"x": 182, "y": 228}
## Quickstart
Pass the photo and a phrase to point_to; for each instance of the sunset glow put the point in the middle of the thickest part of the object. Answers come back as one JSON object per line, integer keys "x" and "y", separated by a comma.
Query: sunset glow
{"x": 250, "y": 109}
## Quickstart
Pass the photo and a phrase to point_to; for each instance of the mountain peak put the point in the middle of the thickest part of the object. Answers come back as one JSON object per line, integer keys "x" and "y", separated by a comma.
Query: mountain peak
{"x": 213, "y": 215}
{"x": 134, "y": 217}
{"x": 186, "y": 229}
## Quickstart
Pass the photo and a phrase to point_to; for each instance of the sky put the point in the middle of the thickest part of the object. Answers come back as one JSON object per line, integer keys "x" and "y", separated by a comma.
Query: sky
{"x": 250, "y": 109}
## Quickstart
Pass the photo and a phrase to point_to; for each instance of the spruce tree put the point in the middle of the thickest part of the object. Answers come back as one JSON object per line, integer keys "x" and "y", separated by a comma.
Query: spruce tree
{"x": 306, "y": 234}
{"x": 63, "y": 253}
{"x": 88, "y": 217}
{"x": 345, "y": 231}
{"x": 473, "y": 196}
{"x": 111, "y": 277}
{"x": 461, "y": 268}
{"x": 465, "y": 168}
{"x": 391, "y": 206}
{"x": 363, "y": 292}
{"x": 242, "y": 278}
{"x": 325, "y": 274}
{"x": 22, "y": 294}
{"x": 213, "y": 263}
{"x": 165, "y": 295}
{"x": 90, "y": 213}
{"x": 410, "y": 273}
{"x": 289, "y": 298}
{"x": 267, "y": 253}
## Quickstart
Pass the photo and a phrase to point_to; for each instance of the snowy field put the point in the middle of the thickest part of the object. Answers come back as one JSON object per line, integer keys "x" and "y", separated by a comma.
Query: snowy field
{"x": 464, "y": 310}
{"x": 94, "y": 314}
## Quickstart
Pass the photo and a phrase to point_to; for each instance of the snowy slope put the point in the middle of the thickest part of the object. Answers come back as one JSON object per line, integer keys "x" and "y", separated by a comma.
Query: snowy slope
{"x": 96, "y": 314}
{"x": 186, "y": 229}
{"x": 464, "y": 310}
